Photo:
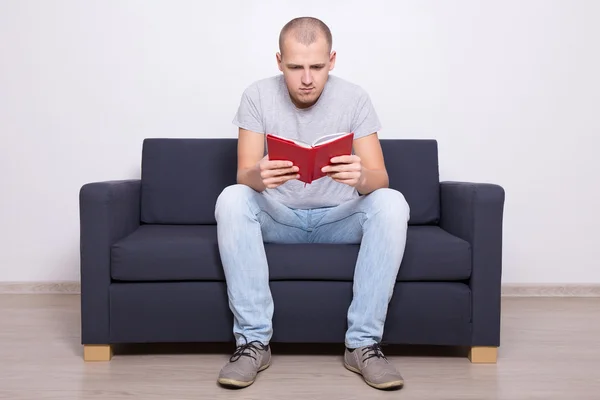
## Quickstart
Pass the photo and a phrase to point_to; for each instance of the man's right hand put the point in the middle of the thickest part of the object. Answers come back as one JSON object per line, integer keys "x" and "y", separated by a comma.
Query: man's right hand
{"x": 275, "y": 172}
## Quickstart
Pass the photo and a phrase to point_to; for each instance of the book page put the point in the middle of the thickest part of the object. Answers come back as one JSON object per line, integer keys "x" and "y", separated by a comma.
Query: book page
{"x": 329, "y": 138}
{"x": 297, "y": 142}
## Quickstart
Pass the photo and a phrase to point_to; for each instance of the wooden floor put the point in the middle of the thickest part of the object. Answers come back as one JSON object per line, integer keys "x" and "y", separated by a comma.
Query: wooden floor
{"x": 550, "y": 350}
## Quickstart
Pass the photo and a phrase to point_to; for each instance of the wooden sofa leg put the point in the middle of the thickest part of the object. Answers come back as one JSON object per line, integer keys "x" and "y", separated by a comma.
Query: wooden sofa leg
{"x": 94, "y": 352}
{"x": 483, "y": 355}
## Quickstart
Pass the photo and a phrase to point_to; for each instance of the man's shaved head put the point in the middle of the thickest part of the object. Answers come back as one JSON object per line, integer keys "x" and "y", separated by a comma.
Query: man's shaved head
{"x": 305, "y": 30}
{"x": 305, "y": 58}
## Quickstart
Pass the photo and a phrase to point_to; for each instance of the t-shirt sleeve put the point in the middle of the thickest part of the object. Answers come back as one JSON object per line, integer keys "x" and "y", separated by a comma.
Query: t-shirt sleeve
{"x": 366, "y": 120}
{"x": 249, "y": 115}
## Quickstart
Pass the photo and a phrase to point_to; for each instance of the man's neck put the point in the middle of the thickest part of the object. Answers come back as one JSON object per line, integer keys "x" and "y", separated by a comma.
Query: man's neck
{"x": 304, "y": 106}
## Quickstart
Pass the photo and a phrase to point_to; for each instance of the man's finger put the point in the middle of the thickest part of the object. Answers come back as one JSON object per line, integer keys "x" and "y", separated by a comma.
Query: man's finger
{"x": 341, "y": 168}
{"x": 281, "y": 178}
{"x": 343, "y": 175}
{"x": 278, "y": 172}
{"x": 348, "y": 159}
{"x": 333, "y": 168}
{"x": 272, "y": 164}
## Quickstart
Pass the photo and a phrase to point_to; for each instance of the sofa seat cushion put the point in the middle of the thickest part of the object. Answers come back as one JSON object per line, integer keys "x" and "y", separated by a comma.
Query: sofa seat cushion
{"x": 190, "y": 252}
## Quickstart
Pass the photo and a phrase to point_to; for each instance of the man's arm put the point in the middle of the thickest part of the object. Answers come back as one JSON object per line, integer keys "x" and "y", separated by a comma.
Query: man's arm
{"x": 374, "y": 174}
{"x": 251, "y": 148}
{"x": 255, "y": 169}
{"x": 365, "y": 169}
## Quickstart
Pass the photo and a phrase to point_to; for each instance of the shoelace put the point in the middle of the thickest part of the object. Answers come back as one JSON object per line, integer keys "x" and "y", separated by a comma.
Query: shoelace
{"x": 373, "y": 351}
{"x": 247, "y": 349}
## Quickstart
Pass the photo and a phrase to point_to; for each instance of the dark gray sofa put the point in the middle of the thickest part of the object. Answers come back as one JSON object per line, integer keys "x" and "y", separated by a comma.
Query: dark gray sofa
{"x": 151, "y": 272}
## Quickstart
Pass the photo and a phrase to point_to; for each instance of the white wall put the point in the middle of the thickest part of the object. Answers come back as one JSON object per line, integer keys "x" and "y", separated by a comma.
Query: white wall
{"x": 509, "y": 88}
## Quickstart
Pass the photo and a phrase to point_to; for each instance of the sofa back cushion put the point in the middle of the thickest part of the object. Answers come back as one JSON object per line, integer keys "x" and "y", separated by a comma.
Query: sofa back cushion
{"x": 413, "y": 170}
{"x": 182, "y": 178}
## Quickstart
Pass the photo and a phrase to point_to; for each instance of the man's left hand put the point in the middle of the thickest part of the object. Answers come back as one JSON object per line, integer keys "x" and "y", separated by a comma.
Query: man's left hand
{"x": 345, "y": 169}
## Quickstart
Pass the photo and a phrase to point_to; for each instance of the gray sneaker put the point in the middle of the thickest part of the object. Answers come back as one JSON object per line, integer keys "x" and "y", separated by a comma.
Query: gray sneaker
{"x": 374, "y": 367}
{"x": 243, "y": 366}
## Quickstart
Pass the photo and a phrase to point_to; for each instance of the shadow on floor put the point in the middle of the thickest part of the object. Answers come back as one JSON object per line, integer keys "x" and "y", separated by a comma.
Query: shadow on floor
{"x": 285, "y": 349}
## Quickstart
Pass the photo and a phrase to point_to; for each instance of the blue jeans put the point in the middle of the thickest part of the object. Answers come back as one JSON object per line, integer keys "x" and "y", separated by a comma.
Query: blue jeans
{"x": 246, "y": 219}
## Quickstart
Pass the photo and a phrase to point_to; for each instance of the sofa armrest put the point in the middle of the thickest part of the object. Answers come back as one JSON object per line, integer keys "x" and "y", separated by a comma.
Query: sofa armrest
{"x": 109, "y": 211}
{"x": 474, "y": 212}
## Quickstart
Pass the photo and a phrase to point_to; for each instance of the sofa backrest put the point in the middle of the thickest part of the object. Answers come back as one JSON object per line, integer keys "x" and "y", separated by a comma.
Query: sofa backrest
{"x": 412, "y": 166}
{"x": 182, "y": 178}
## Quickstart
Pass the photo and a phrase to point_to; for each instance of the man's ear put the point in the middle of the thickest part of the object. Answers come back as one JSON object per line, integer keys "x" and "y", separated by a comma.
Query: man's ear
{"x": 278, "y": 57}
{"x": 332, "y": 58}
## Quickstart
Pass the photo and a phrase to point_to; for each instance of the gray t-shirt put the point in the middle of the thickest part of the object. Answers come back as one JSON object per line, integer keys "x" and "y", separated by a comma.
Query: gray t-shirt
{"x": 266, "y": 107}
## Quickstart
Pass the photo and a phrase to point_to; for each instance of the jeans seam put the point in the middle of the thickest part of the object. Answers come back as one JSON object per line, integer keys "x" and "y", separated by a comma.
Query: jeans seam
{"x": 253, "y": 206}
{"x": 280, "y": 223}
{"x": 346, "y": 217}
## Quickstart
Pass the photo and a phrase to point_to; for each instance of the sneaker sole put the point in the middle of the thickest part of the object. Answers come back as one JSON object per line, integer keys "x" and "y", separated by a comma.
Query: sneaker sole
{"x": 387, "y": 385}
{"x": 240, "y": 384}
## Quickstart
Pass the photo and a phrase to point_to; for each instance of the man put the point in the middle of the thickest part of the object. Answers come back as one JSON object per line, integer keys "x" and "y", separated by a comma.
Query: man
{"x": 352, "y": 204}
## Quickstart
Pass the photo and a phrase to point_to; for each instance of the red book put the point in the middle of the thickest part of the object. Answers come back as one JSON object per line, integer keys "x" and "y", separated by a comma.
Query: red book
{"x": 310, "y": 158}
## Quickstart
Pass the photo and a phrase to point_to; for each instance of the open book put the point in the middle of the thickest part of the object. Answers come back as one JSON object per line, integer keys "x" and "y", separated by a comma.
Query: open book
{"x": 310, "y": 157}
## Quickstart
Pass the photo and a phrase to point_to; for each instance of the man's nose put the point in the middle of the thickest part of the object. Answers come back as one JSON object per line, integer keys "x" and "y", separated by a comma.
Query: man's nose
{"x": 306, "y": 77}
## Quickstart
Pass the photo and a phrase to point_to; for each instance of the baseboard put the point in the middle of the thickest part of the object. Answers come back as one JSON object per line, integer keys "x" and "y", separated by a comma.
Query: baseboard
{"x": 508, "y": 290}
{"x": 550, "y": 290}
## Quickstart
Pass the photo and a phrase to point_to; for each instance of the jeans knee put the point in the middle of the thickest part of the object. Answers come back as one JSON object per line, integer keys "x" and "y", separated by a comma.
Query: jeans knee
{"x": 233, "y": 200}
{"x": 391, "y": 204}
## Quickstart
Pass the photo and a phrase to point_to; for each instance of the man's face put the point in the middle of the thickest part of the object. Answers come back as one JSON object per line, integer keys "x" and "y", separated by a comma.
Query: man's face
{"x": 305, "y": 69}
